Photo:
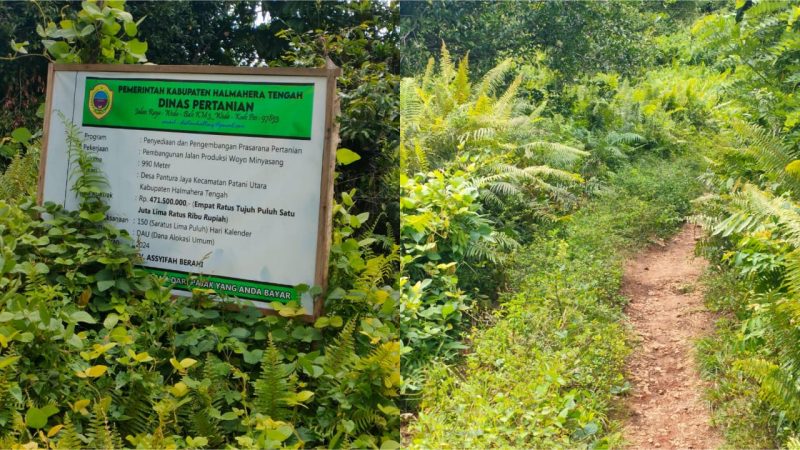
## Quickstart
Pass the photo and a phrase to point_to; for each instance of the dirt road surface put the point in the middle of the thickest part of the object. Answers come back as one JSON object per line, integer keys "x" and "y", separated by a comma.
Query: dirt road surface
{"x": 666, "y": 408}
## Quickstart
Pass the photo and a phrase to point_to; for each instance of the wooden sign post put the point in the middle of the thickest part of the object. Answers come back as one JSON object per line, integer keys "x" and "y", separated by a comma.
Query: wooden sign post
{"x": 222, "y": 175}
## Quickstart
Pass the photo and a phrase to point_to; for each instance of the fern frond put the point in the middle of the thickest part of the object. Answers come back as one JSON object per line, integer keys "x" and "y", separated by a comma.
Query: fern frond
{"x": 776, "y": 388}
{"x": 136, "y": 408}
{"x": 502, "y": 107}
{"x": 272, "y": 388}
{"x": 772, "y": 154}
{"x": 87, "y": 180}
{"x": 427, "y": 78}
{"x": 340, "y": 354}
{"x": 553, "y": 152}
{"x": 615, "y": 138}
{"x": 493, "y": 78}
{"x": 101, "y": 434}
{"x": 68, "y": 438}
{"x": 446, "y": 68}
{"x": 461, "y": 86}
{"x": 19, "y": 179}
{"x": 767, "y": 7}
{"x": 7, "y": 403}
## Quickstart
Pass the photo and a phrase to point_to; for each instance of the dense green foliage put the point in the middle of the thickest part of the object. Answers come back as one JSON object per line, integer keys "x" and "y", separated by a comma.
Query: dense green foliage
{"x": 580, "y": 37}
{"x": 752, "y": 217}
{"x": 91, "y": 34}
{"x": 22, "y": 80}
{"x": 96, "y": 353}
{"x": 487, "y": 168}
{"x": 553, "y": 383}
{"x": 160, "y": 371}
{"x": 547, "y": 371}
{"x": 557, "y": 138}
{"x": 477, "y": 171}
{"x": 544, "y": 368}
{"x": 725, "y": 88}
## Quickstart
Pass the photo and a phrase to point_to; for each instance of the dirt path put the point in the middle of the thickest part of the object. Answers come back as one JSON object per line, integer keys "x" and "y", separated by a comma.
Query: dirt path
{"x": 666, "y": 409}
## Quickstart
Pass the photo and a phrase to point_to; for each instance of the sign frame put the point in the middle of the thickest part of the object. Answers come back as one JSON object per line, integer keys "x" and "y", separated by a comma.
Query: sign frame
{"x": 330, "y": 140}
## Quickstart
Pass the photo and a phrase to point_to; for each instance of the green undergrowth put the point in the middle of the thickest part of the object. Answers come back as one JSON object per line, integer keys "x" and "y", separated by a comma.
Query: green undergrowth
{"x": 96, "y": 353}
{"x": 548, "y": 371}
{"x": 732, "y": 393}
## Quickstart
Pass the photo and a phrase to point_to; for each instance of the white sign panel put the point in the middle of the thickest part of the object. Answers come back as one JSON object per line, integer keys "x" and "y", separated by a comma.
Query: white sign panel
{"x": 223, "y": 179}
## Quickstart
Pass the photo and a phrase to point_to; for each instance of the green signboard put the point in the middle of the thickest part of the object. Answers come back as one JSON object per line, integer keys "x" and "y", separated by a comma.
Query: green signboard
{"x": 235, "y": 287}
{"x": 270, "y": 110}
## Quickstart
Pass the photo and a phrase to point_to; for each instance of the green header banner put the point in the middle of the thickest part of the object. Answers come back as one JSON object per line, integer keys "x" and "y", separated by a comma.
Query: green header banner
{"x": 277, "y": 110}
{"x": 234, "y": 287}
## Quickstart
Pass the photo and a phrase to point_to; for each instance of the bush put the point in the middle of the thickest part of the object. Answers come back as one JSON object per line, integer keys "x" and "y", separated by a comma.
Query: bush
{"x": 97, "y": 353}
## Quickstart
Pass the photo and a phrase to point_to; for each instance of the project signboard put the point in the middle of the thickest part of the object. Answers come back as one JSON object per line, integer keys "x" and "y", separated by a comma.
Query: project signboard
{"x": 222, "y": 175}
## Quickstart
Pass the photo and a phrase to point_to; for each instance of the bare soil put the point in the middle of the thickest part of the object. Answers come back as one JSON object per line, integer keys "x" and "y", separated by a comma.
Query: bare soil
{"x": 666, "y": 408}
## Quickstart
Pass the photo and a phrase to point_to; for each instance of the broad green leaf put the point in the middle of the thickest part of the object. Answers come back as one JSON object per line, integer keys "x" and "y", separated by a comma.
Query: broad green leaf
{"x": 303, "y": 396}
{"x": 54, "y": 431}
{"x": 137, "y": 47}
{"x": 105, "y": 285}
{"x": 87, "y": 30}
{"x": 447, "y": 309}
{"x": 75, "y": 341}
{"x": 59, "y": 49}
{"x": 120, "y": 334}
{"x": 21, "y": 134}
{"x": 96, "y": 371}
{"x": 93, "y": 372}
{"x": 199, "y": 442}
{"x": 80, "y": 405}
{"x": 82, "y": 316}
{"x": 279, "y": 434}
{"x": 37, "y": 417}
{"x": 183, "y": 364}
{"x": 4, "y": 340}
{"x": 179, "y": 389}
{"x": 110, "y": 321}
{"x": 239, "y": 333}
{"x": 142, "y": 357}
{"x": 130, "y": 28}
{"x": 322, "y": 322}
{"x": 345, "y": 156}
{"x": 390, "y": 444}
{"x": 92, "y": 10}
{"x": 230, "y": 415}
{"x": 389, "y": 410}
{"x": 122, "y": 15}
{"x": 97, "y": 350}
{"x": 252, "y": 357}
{"x": 19, "y": 47}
